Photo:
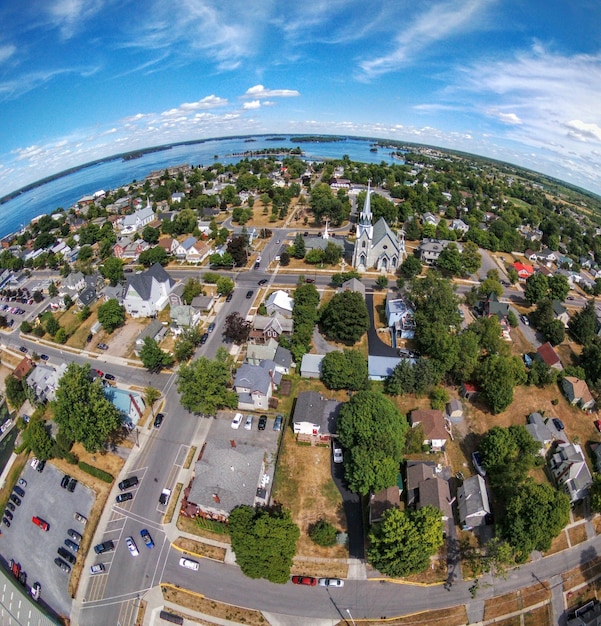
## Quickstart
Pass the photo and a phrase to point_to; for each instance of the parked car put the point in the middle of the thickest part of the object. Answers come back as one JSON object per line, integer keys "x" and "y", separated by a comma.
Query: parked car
{"x": 106, "y": 546}
{"x": 23, "y": 349}
{"x": 80, "y": 518}
{"x": 132, "y": 481}
{"x": 229, "y": 297}
{"x": 309, "y": 280}
{"x": 65, "y": 481}
{"x": 525, "y": 320}
{"x": 124, "y": 497}
{"x": 304, "y": 580}
{"x": 15, "y": 498}
{"x": 249, "y": 294}
{"x": 71, "y": 545}
{"x": 38, "y": 521}
{"x": 189, "y": 564}
{"x": 598, "y": 425}
{"x": 262, "y": 422}
{"x": 73, "y": 534}
{"x": 158, "y": 420}
{"x": 249, "y": 422}
{"x": 64, "y": 566}
{"x": 72, "y": 484}
{"x": 147, "y": 538}
{"x": 337, "y": 454}
{"x": 66, "y": 554}
{"x": 102, "y": 346}
{"x": 8, "y": 514}
{"x": 109, "y": 377}
{"x": 558, "y": 423}
{"x": 44, "y": 357}
{"x": 477, "y": 461}
{"x": 237, "y": 420}
{"x": 262, "y": 282}
{"x": 40, "y": 467}
{"x": 204, "y": 338}
{"x": 97, "y": 568}
{"x": 6, "y": 522}
{"x": 331, "y": 582}
{"x": 10, "y": 505}
{"x": 36, "y": 590}
{"x": 22, "y": 482}
{"x": 131, "y": 546}
{"x": 277, "y": 424}
{"x": 211, "y": 327}
{"x": 19, "y": 491}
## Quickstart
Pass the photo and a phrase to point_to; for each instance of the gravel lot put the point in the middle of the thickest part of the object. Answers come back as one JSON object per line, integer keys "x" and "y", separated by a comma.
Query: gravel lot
{"x": 35, "y": 549}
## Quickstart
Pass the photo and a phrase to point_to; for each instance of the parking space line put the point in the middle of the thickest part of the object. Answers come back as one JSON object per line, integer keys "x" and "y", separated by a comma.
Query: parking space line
{"x": 160, "y": 560}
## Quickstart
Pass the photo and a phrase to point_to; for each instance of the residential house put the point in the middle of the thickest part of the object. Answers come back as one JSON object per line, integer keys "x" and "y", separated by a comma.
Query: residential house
{"x": 354, "y": 285}
{"x": 547, "y": 354}
{"x": 400, "y": 318}
{"x": 257, "y": 352}
{"x": 178, "y": 196}
{"x": 225, "y": 476}
{"x": 570, "y": 471}
{"x": 546, "y": 256}
{"x": 283, "y": 360}
{"x": 43, "y": 380}
{"x": 560, "y": 313}
{"x": 204, "y": 304}
{"x": 181, "y": 250}
{"x": 147, "y": 293}
{"x": 183, "y": 316}
{"x": 255, "y": 385}
{"x": 86, "y": 297}
{"x": 155, "y": 330}
{"x": 459, "y": 225}
{"x": 430, "y": 249}
{"x": 314, "y": 417}
{"x": 432, "y": 422}
{"x": 472, "y": 502}
{"x": 114, "y": 293}
{"x": 265, "y": 327}
{"x": 530, "y": 254}
{"x": 382, "y": 501}
{"x": 127, "y": 249}
{"x": 381, "y": 367}
{"x": 279, "y": 302}
{"x": 168, "y": 244}
{"x": 541, "y": 432}
{"x": 430, "y": 218}
{"x": 137, "y": 220}
{"x": 23, "y": 368}
{"x": 435, "y": 492}
{"x": 587, "y": 615}
{"x": 596, "y": 452}
{"x": 72, "y": 284}
{"x": 524, "y": 271}
{"x": 198, "y": 252}
{"x": 311, "y": 365}
{"x": 417, "y": 471}
{"x": 577, "y": 392}
{"x": 468, "y": 391}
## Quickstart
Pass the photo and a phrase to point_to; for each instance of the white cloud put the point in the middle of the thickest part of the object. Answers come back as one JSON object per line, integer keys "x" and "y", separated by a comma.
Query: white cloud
{"x": 582, "y": 131}
{"x": 253, "y": 104}
{"x": 6, "y": 52}
{"x": 259, "y": 91}
{"x": 509, "y": 118}
{"x": 70, "y": 15}
{"x": 208, "y": 102}
{"x": 440, "y": 22}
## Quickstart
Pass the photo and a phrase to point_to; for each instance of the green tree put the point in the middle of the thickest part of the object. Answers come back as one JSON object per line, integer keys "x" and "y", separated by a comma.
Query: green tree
{"x": 382, "y": 282}
{"x": 534, "y": 515}
{"x": 52, "y": 289}
{"x": 583, "y": 324}
{"x": 237, "y": 248}
{"x": 151, "y": 234}
{"x": 112, "y": 270}
{"x": 205, "y": 385}
{"x": 401, "y": 380}
{"x": 323, "y": 533}
{"x": 536, "y": 288}
{"x": 372, "y": 430}
{"x": 345, "y": 317}
{"x": 403, "y": 542}
{"x": 111, "y": 315}
{"x": 471, "y": 259}
{"x": 498, "y": 375}
{"x": 558, "y": 287}
{"x": 450, "y": 260}
{"x": 149, "y": 257}
{"x": 52, "y": 326}
{"x": 151, "y": 395}
{"x": 264, "y": 541}
{"x": 15, "y": 391}
{"x": 236, "y": 328}
{"x": 192, "y": 288}
{"x": 595, "y": 492}
{"x": 82, "y": 411}
{"x": 225, "y": 285}
{"x": 61, "y": 336}
{"x": 410, "y": 267}
{"x": 344, "y": 370}
{"x": 37, "y": 439}
{"x": 298, "y": 247}
{"x": 153, "y": 358}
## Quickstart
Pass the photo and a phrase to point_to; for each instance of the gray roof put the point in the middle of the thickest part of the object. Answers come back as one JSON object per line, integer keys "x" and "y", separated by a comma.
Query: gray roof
{"x": 435, "y": 492}
{"x": 558, "y": 308}
{"x": 312, "y": 407}
{"x": 539, "y": 429}
{"x": 312, "y": 363}
{"x": 253, "y": 377}
{"x": 142, "y": 283}
{"x": 258, "y": 352}
{"x": 283, "y": 357}
{"x": 115, "y": 293}
{"x": 473, "y": 497}
{"x": 203, "y": 303}
{"x": 229, "y": 473}
{"x": 380, "y": 367}
{"x": 354, "y": 285}
{"x": 188, "y": 242}
{"x": 87, "y": 296}
{"x": 382, "y": 230}
{"x": 152, "y": 330}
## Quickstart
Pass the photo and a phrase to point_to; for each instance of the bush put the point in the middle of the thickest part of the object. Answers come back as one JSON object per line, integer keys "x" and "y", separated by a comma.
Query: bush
{"x": 96, "y": 472}
{"x": 322, "y": 533}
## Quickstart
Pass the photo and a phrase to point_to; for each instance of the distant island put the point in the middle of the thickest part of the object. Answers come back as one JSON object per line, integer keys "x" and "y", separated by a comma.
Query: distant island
{"x": 264, "y": 152}
{"x": 317, "y": 139}
{"x": 275, "y": 138}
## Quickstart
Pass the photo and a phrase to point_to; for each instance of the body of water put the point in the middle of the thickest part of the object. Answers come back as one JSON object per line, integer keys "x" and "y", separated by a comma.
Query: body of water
{"x": 67, "y": 190}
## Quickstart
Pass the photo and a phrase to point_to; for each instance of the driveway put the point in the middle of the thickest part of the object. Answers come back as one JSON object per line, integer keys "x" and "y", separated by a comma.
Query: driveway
{"x": 353, "y": 512}
{"x": 376, "y": 346}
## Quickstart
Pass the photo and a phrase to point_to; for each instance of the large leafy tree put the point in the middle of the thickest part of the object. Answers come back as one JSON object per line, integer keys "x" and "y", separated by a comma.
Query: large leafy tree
{"x": 498, "y": 375}
{"x": 583, "y": 324}
{"x": 112, "y": 270}
{"x": 558, "y": 287}
{"x": 82, "y": 411}
{"x": 192, "y": 288}
{"x": 37, "y": 439}
{"x": 536, "y": 288}
{"x": 471, "y": 258}
{"x": 345, "y": 317}
{"x": 534, "y": 515}
{"x": 450, "y": 260}
{"x": 153, "y": 255}
{"x": 236, "y": 328}
{"x": 153, "y": 358}
{"x": 403, "y": 542}
{"x": 264, "y": 541}
{"x": 237, "y": 248}
{"x": 372, "y": 430}
{"x": 15, "y": 391}
{"x": 204, "y": 384}
{"x": 111, "y": 315}
{"x": 344, "y": 370}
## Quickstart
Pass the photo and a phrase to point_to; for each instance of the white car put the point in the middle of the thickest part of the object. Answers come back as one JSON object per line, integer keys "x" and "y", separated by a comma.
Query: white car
{"x": 189, "y": 564}
{"x": 330, "y": 582}
{"x": 338, "y": 458}
{"x": 97, "y": 568}
{"x": 131, "y": 546}
{"x": 249, "y": 422}
{"x": 237, "y": 420}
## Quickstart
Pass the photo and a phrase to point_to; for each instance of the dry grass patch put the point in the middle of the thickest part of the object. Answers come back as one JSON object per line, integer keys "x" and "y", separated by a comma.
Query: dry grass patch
{"x": 190, "y": 457}
{"x": 515, "y": 601}
{"x": 454, "y": 616}
{"x": 200, "y": 548}
{"x": 303, "y": 484}
{"x": 558, "y": 544}
{"x": 543, "y": 616}
{"x": 193, "y": 527}
{"x": 11, "y": 479}
{"x": 516, "y": 620}
{"x": 326, "y": 568}
{"x": 207, "y": 606}
{"x": 577, "y": 534}
{"x": 173, "y": 503}
{"x": 110, "y": 463}
{"x": 583, "y": 595}
{"x": 582, "y": 574}
{"x": 597, "y": 524}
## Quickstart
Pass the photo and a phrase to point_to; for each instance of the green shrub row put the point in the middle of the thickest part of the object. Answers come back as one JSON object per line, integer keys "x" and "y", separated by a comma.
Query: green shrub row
{"x": 94, "y": 471}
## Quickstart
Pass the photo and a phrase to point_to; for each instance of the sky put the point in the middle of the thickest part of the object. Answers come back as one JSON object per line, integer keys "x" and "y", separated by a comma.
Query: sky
{"x": 515, "y": 80}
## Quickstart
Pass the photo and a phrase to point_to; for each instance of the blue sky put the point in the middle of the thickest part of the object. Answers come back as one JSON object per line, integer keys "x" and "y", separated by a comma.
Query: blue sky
{"x": 516, "y": 80}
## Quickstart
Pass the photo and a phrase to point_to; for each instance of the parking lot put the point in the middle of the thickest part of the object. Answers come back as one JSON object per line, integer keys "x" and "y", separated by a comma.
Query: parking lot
{"x": 36, "y": 549}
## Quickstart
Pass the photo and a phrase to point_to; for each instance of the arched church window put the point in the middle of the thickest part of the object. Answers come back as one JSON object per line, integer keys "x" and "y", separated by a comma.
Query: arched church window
{"x": 363, "y": 245}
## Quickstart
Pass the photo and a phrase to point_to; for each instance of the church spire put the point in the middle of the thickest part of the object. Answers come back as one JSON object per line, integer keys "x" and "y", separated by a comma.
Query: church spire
{"x": 326, "y": 235}
{"x": 365, "y": 217}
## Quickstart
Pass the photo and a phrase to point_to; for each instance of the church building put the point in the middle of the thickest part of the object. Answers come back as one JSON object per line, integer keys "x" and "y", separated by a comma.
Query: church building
{"x": 376, "y": 246}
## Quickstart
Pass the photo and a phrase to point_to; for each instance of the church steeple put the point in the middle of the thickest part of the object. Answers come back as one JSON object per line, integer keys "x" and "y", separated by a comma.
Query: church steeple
{"x": 326, "y": 234}
{"x": 365, "y": 225}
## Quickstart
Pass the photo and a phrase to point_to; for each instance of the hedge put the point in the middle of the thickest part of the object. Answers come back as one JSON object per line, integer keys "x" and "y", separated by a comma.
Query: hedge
{"x": 94, "y": 471}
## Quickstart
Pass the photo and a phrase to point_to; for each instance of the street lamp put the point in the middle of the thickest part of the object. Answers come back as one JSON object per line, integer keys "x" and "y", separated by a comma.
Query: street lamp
{"x": 349, "y": 614}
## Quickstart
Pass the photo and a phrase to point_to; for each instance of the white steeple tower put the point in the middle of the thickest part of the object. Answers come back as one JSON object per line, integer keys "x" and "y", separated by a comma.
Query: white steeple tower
{"x": 365, "y": 226}
{"x": 326, "y": 235}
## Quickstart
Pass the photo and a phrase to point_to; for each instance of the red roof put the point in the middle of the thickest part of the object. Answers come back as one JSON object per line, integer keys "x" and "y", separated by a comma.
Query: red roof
{"x": 548, "y": 354}
{"x": 522, "y": 269}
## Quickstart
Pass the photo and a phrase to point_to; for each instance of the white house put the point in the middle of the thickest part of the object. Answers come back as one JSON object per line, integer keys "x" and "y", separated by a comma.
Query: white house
{"x": 280, "y": 302}
{"x": 137, "y": 220}
{"x": 400, "y": 317}
{"x": 255, "y": 384}
{"x": 147, "y": 293}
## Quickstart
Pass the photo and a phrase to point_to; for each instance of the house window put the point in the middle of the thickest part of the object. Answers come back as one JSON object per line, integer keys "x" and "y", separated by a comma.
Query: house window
{"x": 363, "y": 245}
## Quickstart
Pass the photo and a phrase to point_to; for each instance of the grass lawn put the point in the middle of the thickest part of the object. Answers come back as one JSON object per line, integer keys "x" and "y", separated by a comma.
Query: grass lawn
{"x": 455, "y": 616}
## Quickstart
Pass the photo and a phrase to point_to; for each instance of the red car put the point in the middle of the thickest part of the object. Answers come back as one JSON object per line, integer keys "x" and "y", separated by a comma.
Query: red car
{"x": 598, "y": 425}
{"x": 38, "y": 521}
{"x": 304, "y": 580}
